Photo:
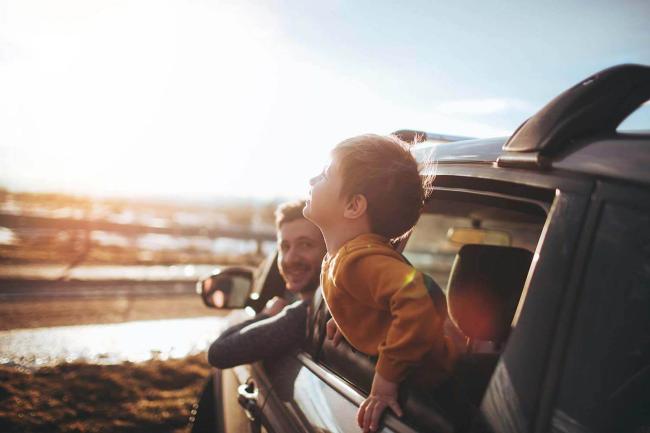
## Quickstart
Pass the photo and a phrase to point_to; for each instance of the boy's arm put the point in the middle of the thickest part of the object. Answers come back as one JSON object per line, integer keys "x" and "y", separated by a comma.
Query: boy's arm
{"x": 383, "y": 394}
{"x": 416, "y": 326}
{"x": 415, "y": 329}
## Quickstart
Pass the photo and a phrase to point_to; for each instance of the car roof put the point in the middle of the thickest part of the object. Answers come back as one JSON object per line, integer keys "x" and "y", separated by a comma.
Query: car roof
{"x": 576, "y": 131}
{"x": 620, "y": 156}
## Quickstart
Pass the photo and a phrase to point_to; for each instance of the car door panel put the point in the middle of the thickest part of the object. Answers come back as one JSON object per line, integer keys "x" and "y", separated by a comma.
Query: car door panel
{"x": 234, "y": 417}
{"x": 512, "y": 399}
{"x": 316, "y": 400}
{"x": 605, "y": 372}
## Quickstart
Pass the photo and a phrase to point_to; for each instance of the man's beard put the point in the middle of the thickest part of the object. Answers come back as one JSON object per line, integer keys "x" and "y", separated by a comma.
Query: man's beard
{"x": 312, "y": 285}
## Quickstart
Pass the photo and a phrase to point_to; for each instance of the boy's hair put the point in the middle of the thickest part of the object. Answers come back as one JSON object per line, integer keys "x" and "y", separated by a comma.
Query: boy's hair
{"x": 287, "y": 212}
{"x": 382, "y": 169}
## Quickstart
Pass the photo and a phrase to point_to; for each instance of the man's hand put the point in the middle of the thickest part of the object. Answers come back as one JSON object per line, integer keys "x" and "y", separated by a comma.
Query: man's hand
{"x": 382, "y": 395}
{"x": 333, "y": 332}
{"x": 274, "y": 306}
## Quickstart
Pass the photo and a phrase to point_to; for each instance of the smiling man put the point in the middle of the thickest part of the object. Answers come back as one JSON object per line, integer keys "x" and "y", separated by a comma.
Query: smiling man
{"x": 300, "y": 252}
{"x": 279, "y": 328}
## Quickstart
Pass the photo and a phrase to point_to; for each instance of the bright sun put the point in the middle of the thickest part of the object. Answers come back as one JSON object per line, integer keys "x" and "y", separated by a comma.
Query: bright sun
{"x": 197, "y": 99}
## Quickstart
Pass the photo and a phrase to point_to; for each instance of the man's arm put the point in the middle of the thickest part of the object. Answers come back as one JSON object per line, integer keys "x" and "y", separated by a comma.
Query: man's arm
{"x": 258, "y": 339}
{"x": 237, "y": 326}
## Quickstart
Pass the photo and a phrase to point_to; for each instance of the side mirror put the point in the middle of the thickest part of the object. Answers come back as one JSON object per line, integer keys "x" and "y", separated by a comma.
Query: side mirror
{"x": 227, "y": 289}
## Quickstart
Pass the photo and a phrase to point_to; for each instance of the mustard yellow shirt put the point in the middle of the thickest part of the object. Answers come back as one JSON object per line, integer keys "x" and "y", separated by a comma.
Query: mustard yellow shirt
{"x": 382, "y": 307}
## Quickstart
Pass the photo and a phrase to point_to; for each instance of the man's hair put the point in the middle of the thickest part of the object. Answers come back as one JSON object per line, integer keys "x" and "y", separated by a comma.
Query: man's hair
{"x": 383, "y": 169}
{"x": 287, "y": 212}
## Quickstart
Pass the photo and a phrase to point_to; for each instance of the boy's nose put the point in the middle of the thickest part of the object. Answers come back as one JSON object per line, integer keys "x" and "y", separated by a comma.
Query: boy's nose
{"x": 313, "y": 180}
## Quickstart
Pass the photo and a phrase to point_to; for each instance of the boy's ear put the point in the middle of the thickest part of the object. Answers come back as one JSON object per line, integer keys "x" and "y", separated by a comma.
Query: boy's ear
{"x": 356, "y": 206}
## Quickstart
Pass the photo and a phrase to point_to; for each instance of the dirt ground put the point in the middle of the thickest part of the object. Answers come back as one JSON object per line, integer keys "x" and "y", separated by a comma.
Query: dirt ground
{"x": 156, "y": 396}
{"x": 62, "y": 312}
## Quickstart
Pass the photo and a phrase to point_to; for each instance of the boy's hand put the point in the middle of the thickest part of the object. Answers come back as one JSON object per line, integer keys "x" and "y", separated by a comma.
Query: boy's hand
{"x": 274, "y": 306}
{"x": 333, "y": 332}
{"x": 382, "y": 395}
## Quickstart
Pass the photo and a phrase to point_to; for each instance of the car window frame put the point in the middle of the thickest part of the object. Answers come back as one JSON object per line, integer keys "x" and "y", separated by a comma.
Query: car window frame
{"x": 544, "y": 187}
{"x": 267, "y": 283}
{"x": 486, "y": 179}
{"x": 571, "y": 196}
{"x": 351, "y": 393}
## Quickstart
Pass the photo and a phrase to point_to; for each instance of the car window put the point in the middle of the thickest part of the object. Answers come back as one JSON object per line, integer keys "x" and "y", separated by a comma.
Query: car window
{"x": 605, "y": 384}
{"x": 453, "y": 220}
{"x": 431, "y": 248}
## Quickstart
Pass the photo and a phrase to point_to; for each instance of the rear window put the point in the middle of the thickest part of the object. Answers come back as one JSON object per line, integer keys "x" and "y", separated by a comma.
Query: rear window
{"x": 443, "y": 229}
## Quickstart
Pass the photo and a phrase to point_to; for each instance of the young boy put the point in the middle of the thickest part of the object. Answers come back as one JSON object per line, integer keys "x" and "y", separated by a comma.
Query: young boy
{"x": 371, "y": 192}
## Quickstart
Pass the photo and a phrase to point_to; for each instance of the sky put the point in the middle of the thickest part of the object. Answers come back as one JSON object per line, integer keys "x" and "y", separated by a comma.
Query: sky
{"x": 198, "y": 99}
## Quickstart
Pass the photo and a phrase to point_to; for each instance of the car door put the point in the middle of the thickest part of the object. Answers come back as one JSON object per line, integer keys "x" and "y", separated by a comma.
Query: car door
{"x": 577, "y": 360}
{"x": 512, "y": 400}
{"x": 603, "y": 384}
{"x": 310, "y": 394}
{"x": 242, "y": 391}
{"x": 240, "y": 398}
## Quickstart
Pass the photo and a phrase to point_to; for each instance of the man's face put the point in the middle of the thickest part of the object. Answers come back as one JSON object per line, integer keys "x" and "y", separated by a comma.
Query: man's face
{"x": 325, "y": 205}
{"x": 300, "y": 253}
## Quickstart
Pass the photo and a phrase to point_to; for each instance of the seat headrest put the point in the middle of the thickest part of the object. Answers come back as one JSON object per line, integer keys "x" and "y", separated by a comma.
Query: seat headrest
{"x": 484, "y": 287}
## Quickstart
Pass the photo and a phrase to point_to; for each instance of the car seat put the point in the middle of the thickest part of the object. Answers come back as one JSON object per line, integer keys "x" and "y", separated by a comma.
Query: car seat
{"x": 483, "y": 292}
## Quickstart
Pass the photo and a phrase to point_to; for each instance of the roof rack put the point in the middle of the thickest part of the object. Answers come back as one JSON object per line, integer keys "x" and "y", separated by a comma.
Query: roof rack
{"x": 595, "y": 106}
{"x": 412, "y": 136}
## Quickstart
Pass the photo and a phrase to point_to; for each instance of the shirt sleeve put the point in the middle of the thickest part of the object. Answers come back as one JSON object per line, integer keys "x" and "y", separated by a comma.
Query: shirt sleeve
{"x": 260, "y": 338}
{"x": 416, "y": 326}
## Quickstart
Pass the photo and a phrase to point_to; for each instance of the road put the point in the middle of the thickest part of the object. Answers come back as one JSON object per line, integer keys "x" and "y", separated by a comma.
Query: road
{"x": 109, "y": 343}
{"x": 39, "y": 289}
{"x": 103, "y": 320}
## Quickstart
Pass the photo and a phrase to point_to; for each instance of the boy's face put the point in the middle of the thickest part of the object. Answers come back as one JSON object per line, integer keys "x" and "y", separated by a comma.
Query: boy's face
{"x": 325, "y": 205}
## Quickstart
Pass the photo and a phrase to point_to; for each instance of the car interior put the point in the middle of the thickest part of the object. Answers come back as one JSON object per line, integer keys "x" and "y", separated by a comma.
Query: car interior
{"x": 479, "y": 248}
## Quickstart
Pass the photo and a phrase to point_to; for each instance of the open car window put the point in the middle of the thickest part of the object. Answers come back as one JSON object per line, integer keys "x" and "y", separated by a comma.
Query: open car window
{"x": 451, "y": 219}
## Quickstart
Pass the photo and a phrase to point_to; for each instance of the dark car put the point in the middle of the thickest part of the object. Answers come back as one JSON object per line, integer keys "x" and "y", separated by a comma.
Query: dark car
{"x": 542, "y": 243}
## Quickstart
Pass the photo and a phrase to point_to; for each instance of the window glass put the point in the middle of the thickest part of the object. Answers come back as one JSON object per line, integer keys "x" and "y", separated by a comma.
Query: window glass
{"x": 605, "y": 385}
{"x": 437, "y": 237}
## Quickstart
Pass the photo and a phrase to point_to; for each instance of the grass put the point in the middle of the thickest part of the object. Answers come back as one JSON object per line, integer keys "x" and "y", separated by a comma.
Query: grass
{"x": 156, "y": 396}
